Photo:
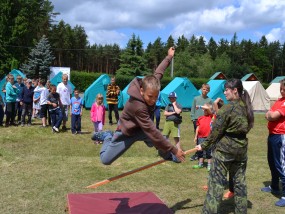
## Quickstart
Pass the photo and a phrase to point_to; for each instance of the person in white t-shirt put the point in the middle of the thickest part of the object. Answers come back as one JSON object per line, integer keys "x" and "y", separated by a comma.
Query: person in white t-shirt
{"x": 64, "y": 90}
{"x": 43, "y": 101}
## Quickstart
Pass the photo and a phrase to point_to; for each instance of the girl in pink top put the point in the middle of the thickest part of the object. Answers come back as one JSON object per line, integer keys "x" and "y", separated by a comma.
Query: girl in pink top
{"x": 97, "y": 114}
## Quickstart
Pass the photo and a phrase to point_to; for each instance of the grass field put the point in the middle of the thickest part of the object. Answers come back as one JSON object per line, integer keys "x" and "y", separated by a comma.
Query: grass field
{"x": 38, "y": 170}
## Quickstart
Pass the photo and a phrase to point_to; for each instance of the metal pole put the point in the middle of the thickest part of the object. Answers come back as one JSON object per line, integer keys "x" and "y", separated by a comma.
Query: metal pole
{"x": 172, "y": 63}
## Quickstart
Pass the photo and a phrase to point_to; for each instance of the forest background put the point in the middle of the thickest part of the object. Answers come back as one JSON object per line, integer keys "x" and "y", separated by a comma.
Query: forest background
{"x": 24, "y": 23}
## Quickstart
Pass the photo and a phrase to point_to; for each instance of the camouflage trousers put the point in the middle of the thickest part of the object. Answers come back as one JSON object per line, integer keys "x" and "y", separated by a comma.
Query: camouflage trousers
{"x": 217, "y": 182}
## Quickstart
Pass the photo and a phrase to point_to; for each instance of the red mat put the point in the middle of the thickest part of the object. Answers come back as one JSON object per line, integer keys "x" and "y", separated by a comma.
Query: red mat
{"x": 122, "y": 203}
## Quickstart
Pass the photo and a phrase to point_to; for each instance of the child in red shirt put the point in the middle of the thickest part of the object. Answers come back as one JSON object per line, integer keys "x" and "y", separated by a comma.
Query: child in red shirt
{"x": 202, "y": 132}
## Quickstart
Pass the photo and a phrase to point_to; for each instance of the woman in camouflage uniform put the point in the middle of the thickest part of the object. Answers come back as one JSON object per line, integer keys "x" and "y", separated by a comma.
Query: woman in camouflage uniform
{"x": 228, "y": 137}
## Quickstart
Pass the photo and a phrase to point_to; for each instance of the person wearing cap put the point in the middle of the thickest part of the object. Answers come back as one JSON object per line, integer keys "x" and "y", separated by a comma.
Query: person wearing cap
{"x": 26, "y": 101}
{"x": 171, "y": 126}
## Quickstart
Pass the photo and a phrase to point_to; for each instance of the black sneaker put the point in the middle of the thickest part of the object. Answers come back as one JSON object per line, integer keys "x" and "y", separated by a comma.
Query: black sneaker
{"x": 194, "y": 157}
{"x": 64, "y": 128}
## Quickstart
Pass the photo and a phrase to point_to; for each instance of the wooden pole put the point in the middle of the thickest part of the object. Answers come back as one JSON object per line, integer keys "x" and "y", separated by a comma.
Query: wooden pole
{"x": 133, "y": 171}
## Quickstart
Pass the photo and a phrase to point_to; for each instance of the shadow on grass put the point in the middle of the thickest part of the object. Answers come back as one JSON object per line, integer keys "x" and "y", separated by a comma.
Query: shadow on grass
{"x": 268, "y": 183}
{"x": 228, "y": 206}
{"x": 181, "y": 205}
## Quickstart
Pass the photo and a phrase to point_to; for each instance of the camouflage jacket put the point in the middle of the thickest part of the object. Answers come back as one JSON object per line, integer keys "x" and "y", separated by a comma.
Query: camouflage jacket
{"x": 228, "y": 136}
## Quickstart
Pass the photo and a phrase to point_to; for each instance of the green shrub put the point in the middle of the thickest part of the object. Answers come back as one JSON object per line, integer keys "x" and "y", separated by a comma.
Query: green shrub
{"x": 82, "y": 80}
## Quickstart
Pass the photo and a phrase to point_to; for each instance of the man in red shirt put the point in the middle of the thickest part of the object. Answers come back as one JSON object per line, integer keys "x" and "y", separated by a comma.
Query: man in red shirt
{"x": 276, "y": 146}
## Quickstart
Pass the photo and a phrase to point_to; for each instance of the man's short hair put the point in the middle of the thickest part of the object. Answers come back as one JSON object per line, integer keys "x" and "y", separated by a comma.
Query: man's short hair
{"x": 52, "y": 86}
{"x": 206, "y": 85}
{"x": 64, "y": 75}
{"x": 10, "y": 76}
{"x": 43, "y": 81}
{"x": 151, "y": 82}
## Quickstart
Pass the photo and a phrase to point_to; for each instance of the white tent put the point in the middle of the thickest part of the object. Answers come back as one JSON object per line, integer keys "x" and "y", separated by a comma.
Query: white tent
{"x": 274, "y": 92}
{"x": 259, "y": 97}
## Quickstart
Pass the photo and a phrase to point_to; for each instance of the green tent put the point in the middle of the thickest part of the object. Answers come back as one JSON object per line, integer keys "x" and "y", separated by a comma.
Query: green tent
{"x": 184, "y": 89}
{"x": 98, "y": 86}
{"x": 277, "y": 79}
{"x": 124, "y": 96}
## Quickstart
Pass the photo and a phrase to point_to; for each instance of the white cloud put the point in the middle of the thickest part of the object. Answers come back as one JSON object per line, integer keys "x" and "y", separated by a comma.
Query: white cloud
{"x": 116, "y": 20}
{"x": 106, "y": 37}
{"x": 277, "y": 34}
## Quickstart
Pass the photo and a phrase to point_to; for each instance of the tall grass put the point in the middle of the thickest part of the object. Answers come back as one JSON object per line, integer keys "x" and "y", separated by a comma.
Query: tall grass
{"x": 38, "y": 170}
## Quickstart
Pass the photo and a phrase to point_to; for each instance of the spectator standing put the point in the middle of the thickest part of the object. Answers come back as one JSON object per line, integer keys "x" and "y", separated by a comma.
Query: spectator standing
{"x": 43, "y": 101}
{"x": 276, "y": 146}
{"x": 18, "y": 111}
{"x": 113, "y": 92}
{"x": 197, "y": 111}
{"x": 64, "y": 90}
{"x": 203, "y": 129}
{"x": 4, "y": 89}
{"x": 11, "y": 95}
{"x": 54, "y": 103}
{"x": 97, "y": 114}
{"x": 36, "y": 99}
{"x": 26, "y": 101}
{"x": 172, "y": 113}
{"x": 76, "y": 107}
{"x": 48, "y": 85}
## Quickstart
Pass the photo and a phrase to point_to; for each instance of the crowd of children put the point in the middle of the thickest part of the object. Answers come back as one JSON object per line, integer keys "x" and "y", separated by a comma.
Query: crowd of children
{"x": 27, "y": 100}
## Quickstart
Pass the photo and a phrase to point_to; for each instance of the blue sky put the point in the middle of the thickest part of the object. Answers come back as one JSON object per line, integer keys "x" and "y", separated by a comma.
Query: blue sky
{"x": 114, "y": 21}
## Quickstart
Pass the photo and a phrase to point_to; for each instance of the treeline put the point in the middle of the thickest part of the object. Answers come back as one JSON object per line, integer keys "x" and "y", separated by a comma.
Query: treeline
{"x": 23, "y": 23}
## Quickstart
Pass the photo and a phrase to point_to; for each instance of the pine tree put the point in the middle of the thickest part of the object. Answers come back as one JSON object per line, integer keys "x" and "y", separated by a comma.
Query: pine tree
{"x": 40, "y": 60}
{"x": 132, "y": 60}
